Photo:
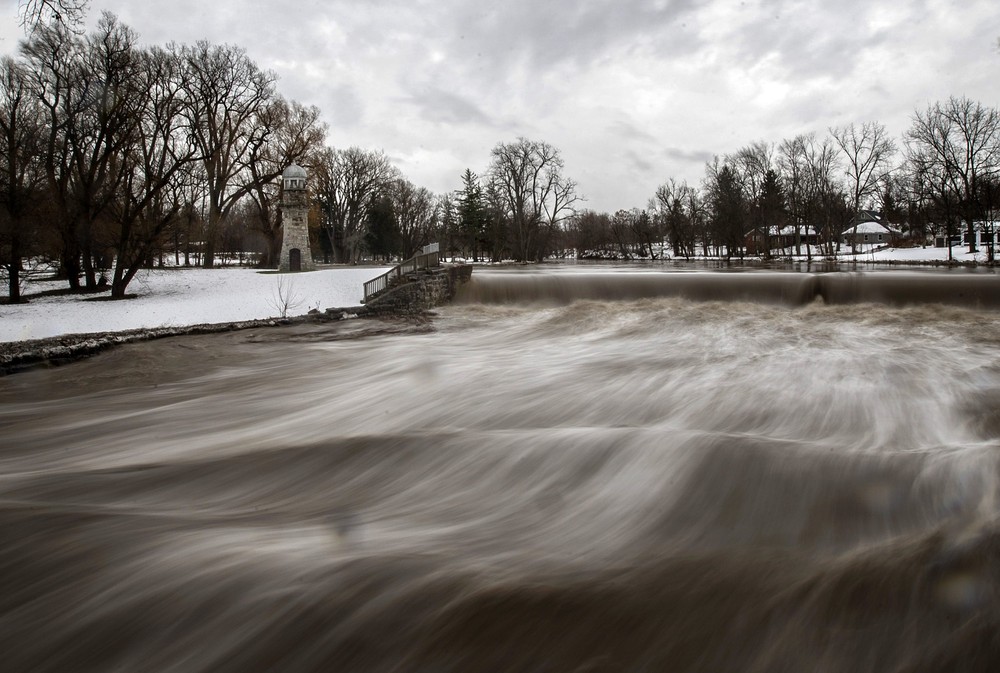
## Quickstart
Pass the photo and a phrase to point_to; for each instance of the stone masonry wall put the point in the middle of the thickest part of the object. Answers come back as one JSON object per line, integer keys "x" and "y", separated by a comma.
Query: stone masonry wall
{"x": 295, "y": 236}
{"x": 420, "y": 291}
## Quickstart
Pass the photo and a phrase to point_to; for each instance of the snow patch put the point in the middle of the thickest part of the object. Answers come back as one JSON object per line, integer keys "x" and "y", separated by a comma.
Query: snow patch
{"x": 179, "y": 297}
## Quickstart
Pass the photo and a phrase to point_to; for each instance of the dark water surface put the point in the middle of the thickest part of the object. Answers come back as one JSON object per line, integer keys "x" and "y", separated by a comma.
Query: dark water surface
{"x": 569, "y": 473}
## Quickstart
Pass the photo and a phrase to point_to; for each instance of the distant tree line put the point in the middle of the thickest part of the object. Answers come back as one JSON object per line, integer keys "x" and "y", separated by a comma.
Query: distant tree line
{"x": 941, "y": 177}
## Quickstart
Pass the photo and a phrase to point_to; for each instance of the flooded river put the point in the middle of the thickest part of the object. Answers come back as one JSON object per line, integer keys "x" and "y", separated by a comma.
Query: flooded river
{"x": 562, "y": 472}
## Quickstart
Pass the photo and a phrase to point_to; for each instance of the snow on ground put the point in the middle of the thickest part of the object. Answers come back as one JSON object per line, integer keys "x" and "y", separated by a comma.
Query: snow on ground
{"x": 176, "y": 297}
{"x": 903, "y": 255}
{"x": 191, "y": 296}
{"x": 869, "y": 253}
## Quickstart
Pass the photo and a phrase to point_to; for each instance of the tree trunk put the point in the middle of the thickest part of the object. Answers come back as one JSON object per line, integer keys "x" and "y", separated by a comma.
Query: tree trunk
{"x": 208, "y": 244}
{"x": 70, "y": 260}
{"x": 14, "y": 277}
{"x": 14, "y": 267}
{"x": 208, "y": 254}
{"x": 89, "y": 273}
{"x": 118, "y": 284}
{"x": 87, "y": 254}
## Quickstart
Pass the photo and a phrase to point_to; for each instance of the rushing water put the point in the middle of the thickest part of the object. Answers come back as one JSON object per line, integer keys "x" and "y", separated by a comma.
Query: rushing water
{"x": 553, "y": 478}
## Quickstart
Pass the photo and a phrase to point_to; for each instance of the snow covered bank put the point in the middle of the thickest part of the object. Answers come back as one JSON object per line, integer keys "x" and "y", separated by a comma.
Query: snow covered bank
{"x": 866, "y": 254}
{"x": 177, "y": 297}
{"x": 959, "y": 254}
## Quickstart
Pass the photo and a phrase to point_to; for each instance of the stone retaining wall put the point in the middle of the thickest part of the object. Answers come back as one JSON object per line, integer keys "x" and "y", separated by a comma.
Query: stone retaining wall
{"x": 420, "y": 291}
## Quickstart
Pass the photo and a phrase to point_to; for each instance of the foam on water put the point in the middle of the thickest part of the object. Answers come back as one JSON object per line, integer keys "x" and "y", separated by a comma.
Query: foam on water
{"x": 594, "y": 484}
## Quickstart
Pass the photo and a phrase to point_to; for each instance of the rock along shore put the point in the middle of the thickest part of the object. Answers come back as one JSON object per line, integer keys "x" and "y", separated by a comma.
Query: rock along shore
{"x": 16, "y": 356}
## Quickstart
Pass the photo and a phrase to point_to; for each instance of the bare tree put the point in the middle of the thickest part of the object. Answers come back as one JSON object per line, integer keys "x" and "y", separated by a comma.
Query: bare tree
{"x": 672, "y": 203}
{"x": 151, "y": 191}
{"x": 416, "y": 213}
{"x": 792, "y": 163}
{"x": 68, "y": 13}
{"x": 52, "y": 57}
{"x": 590, "y": 235}
{"x": 228, "y": 97}
{"x": 869, "y": 151}
{"x": 960, "y": 142}
{"x": 935, "y": 195}
{"x": 559, "y": 208}
{"x": 284, "y": 298}
{"x": 752, "y": 165}
{"x": 534, "y": 194}
{"x": 347, "y": 182}
{"x": 824, "y": 204}
{"x": 448, "y": 225}
{"x": 621, "y": 233}
{"x": 21, "y": 174}
{"x": 90, "y": 91}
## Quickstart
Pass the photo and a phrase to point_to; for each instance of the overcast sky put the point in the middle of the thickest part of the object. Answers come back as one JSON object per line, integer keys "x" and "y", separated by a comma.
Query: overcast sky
{"x": 631, "y": 92}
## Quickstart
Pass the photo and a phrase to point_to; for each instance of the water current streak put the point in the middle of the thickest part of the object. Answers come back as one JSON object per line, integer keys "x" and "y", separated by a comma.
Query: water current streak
{"x": 594, "y": 483}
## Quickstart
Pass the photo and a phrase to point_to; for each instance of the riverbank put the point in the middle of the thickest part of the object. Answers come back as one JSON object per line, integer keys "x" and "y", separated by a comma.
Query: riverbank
{"x": 331, "y": 325}
{"x": 865, "y": 254}
{"x": 57, "y": 327}
{"x": 181, "y": 297}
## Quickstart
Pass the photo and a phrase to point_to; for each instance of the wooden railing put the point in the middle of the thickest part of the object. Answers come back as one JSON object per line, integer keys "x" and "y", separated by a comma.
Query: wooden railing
{"x": 424, "y": 260}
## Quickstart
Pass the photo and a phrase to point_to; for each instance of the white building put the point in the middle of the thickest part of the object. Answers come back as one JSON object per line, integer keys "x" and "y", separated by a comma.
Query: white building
{"x": 870, "y": 233}
{"x": 984, "y": 233}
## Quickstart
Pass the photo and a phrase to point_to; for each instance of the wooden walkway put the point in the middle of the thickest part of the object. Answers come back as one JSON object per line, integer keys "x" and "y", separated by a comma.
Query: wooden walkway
{"x": 379, "y": 284}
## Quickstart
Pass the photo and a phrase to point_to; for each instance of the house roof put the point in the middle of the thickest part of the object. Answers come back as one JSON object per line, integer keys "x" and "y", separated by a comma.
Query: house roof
{"x": 869, "y": 216}
{"x": 789, "y": 230}
{"x": 867, "y": 228}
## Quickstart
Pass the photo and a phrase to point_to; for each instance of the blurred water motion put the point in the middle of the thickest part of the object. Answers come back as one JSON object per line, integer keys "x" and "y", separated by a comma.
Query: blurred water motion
{"x": 636, "y": 484}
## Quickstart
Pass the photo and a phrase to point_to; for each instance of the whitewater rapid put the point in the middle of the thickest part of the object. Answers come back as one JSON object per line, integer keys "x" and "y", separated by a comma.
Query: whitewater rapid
{"x": 578, "y": 483}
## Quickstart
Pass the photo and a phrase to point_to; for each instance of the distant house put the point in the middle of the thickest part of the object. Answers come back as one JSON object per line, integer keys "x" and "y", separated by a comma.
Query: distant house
{"x": 785, "y": 237}
{"x": 868, "y": 233}
{"x": 760, "y": 239}
{"x": 870, "y": 229}
{"x": 985, "y": 233}
{"x": 942, "y": 241}
{"x": 756, "y": 241}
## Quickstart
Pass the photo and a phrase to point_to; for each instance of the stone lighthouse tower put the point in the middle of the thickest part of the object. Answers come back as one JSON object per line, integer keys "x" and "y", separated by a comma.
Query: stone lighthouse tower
{"x": 295, "y": 253}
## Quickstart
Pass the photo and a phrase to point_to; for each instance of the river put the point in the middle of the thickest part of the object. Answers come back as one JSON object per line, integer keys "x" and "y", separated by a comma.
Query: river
{"x": 564, "y": 471}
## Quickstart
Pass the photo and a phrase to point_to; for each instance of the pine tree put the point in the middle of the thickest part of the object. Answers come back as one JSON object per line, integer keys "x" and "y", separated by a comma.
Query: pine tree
{"x": 471, "y": 212}
{"x": 382, "y": 237}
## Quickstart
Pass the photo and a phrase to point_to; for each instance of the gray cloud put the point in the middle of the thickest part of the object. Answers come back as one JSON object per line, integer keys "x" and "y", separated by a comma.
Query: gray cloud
{"x": 632, "y": 92}
{"x": 445, "y": 107}
{"x": 629, "y": 131}
{"x": 688, "y": 156}
{"x": 640, "y": 162}
{"x": 506, "y": 38}
{"x": 346, "y": 108}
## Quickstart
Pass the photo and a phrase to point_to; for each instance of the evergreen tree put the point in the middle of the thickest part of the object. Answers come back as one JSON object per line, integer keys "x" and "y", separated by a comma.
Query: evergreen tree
{"x": 771, "y": 208}
{"x": 448, "y": 226}
{"x": 729, "y": 209}
{"x": 382, "y": 237}
{"x": 471, "y": 212}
